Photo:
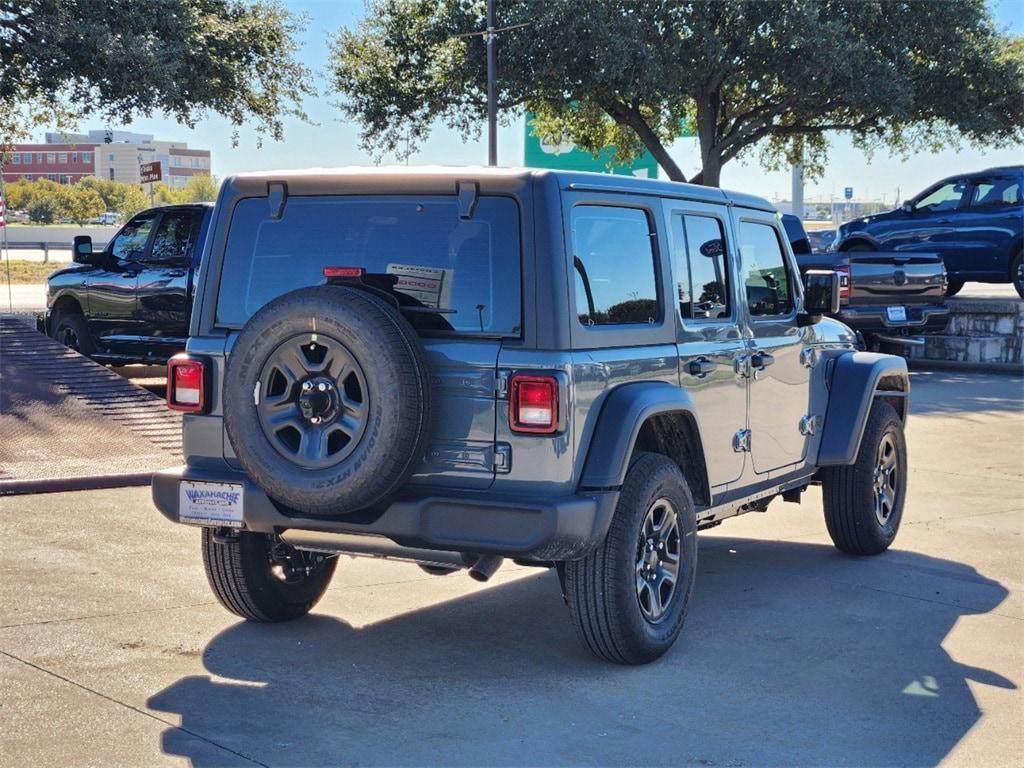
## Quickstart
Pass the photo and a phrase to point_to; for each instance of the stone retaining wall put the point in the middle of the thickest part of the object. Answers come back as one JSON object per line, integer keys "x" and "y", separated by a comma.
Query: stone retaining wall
{"x": 983, "y": 331}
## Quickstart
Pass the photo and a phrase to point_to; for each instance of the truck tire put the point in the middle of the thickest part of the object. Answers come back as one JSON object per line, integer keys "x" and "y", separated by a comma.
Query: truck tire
{"x": 625, "y": 604}
{"x": 864, "y": 500}
{"x": 260, "y": 578}
{"x": 327, "y": 399}
{"x": 953, "y": 287}
{"x": 71, "y": 330}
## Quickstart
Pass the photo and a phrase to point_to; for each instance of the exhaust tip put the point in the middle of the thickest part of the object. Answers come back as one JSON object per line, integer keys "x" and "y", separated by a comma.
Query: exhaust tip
{"x": 485, "y": 567}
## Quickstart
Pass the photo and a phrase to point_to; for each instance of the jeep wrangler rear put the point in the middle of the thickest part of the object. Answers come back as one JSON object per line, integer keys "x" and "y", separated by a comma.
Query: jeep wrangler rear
{"x": 455, "y": 366}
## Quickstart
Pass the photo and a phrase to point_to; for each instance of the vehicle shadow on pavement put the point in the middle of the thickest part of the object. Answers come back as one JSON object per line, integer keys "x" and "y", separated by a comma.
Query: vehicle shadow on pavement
{"x": 955, "y": 393}
{"x": 792, "y": 654}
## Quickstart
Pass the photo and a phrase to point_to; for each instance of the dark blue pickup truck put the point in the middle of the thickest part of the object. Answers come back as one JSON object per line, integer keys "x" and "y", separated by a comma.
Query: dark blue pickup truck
{"x": 974, "y": 221}
{"x": 132, "y": 301}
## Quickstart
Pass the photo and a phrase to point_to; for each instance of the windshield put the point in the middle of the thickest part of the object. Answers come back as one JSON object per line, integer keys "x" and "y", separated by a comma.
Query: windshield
{"x": 417, "y": 249}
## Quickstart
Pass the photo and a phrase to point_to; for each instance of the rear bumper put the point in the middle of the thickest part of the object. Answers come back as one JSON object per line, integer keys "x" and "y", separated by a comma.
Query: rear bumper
{"x": 565, "y": 528}
{"x": 926, "y": 319}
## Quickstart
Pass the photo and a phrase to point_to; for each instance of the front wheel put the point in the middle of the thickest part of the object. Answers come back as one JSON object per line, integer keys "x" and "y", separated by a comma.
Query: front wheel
{"x": 628, "y": 599}
{"x": 864, "y": 500}
{"x": 71, "y": 330}
{"x": 259, "y": 577}
{"x": 953, "y": 287}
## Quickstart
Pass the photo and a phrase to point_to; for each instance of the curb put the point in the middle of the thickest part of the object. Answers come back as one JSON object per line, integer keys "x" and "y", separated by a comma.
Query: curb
{"x": 923, "y": 364}
{"x": 87, "y": 483}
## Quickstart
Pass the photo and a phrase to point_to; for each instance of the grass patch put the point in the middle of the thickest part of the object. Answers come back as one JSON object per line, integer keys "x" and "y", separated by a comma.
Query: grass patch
{"x": 28, "y": 272}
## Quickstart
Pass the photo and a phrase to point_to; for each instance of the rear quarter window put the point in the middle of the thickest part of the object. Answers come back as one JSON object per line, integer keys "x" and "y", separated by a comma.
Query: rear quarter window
{"x": 418, "y": 249}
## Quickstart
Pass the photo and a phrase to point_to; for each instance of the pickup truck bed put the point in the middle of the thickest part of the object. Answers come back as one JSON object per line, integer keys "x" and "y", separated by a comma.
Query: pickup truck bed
{"x": 890, "y": 297}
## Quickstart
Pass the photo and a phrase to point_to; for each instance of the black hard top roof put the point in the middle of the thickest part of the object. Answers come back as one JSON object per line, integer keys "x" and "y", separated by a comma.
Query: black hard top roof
{"x": 420, "y": 178}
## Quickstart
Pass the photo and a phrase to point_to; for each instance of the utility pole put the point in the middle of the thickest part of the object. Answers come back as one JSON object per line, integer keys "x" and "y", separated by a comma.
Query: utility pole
{"x": 490, "y": 35}
{"x": 492, "y": 88}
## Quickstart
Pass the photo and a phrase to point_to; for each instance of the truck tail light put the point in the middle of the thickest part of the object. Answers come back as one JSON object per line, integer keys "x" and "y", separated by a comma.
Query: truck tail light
{"x": 186, "y": 384}
{"x": 533, "y": 404}
{"x": 845, "y": 282}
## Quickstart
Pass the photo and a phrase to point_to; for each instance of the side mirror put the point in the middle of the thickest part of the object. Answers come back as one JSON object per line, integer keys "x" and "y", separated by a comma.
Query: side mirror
{"x": 82, "y": 252}
{"x": 907, "y": 207}
{"x": 821, "y": 295}
{"x": 81, "y": 249}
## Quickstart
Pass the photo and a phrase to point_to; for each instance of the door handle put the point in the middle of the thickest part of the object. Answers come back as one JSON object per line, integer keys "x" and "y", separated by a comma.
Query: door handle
{"x": 701, "y": 367}
{"x": 761, "y": 360}
{"x": 175, "y": 273}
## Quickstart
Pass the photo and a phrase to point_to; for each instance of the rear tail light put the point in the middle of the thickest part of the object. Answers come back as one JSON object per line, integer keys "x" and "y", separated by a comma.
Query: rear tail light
{"x": 845, "y": 282}
{"x": 533, "y": 404}
{"x": 186, "y": 384}
{"x": 330, "y": 272}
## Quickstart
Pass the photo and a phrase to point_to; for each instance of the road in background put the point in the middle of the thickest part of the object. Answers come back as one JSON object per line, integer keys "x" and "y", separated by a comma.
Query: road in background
{"x": 113, "y": 651}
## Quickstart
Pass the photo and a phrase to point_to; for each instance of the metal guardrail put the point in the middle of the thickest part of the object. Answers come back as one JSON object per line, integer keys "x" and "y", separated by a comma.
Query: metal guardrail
{"x": 46, "y": 247}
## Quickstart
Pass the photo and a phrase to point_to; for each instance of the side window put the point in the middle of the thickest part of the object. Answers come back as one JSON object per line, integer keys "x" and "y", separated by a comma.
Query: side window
{"x": 613, "y": 258}
{"x": 130, "y": 242}
{"x": 766, "y": 277}
{"x": 944, "y": 198}
{"x": 996, "y": 193}
{"x": 700, "y": 266}
{"x": 171, "y": 242}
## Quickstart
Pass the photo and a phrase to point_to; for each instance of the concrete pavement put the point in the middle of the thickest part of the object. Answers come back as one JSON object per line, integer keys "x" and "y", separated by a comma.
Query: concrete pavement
{"x": 113, "y": 652}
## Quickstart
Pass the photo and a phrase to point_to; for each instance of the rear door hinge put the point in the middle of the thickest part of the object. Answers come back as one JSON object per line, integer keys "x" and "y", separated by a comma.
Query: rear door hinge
{"x": 501, "y": 384}
{"x": 502, "y": 458}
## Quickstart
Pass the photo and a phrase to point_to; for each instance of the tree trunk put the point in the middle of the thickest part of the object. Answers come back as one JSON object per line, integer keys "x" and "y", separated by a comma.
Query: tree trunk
{"x": 653, "y": 143}
{"x": 707, "y": 133}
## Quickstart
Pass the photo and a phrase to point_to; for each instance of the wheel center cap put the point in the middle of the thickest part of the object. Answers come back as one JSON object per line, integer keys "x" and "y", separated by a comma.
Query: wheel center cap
{"x": 319, "y": 400}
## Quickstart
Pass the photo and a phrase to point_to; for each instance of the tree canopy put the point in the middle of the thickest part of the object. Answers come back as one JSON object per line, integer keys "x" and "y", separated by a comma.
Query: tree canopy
{"x": 62, "y": 59}
{"x": 777, "y": 76}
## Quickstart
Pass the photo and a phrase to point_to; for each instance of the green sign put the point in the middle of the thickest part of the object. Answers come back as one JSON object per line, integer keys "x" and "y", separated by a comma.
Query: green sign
{"x": 566, "y": 157}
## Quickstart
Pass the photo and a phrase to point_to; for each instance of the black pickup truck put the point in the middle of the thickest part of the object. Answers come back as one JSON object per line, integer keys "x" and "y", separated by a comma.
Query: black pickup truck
{"x": 891, "y": 298}
{"x": 132, "y": 301}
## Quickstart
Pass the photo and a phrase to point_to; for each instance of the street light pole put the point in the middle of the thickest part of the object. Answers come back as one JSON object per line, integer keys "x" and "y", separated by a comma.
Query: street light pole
{"x": 492, "y": 89}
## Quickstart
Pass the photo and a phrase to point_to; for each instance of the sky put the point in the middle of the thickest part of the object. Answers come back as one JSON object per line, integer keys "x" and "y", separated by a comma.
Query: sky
{"x": 333, "y": 141}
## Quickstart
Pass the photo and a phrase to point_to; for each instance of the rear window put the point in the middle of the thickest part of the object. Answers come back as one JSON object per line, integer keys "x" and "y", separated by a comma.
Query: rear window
{"x": 417, "y": 249}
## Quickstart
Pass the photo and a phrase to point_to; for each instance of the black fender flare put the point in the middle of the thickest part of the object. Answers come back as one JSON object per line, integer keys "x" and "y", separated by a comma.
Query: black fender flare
{"x": 853, "y": 387}
{"x": 623, "y": 413}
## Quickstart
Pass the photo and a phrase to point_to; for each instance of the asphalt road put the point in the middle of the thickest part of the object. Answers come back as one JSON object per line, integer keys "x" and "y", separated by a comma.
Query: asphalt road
{"x": 112, "y": 651}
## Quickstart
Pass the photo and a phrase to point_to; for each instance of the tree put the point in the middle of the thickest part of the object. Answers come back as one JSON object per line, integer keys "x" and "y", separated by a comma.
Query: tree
{"x": 165, "y": 195}
{"x": 79, "y": 203}
{"x": 201, "y": 188}
{"x": 43, "y": 210}
{"x": 60, "y": 59}
{"x": 779, "y": 75}
{"x": 124, "y": 199}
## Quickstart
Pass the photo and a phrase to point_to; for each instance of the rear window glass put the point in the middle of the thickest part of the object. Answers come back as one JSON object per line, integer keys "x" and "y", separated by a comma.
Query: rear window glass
{"x": 417, "y": 249}
{"x": 613, "y": 259}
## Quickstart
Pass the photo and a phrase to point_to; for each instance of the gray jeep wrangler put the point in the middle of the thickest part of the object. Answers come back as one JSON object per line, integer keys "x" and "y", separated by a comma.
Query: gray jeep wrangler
{"x": 455, "y": 366}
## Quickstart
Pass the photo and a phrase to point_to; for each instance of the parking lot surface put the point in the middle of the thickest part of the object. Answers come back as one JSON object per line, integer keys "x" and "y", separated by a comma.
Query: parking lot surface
{"x": 113, "y": 652}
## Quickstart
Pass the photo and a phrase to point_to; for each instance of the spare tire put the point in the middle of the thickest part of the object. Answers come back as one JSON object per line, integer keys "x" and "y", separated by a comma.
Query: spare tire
{"x": 327, "y": 399}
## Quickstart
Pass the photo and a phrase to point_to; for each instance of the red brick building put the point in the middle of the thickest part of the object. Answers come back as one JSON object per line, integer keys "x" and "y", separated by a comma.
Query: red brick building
{"x": 63, "y": 163}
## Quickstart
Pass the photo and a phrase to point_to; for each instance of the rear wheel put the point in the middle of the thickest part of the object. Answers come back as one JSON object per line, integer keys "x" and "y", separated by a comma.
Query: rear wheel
{"x": 71, "y": 330}
{"x": 628, "y": 599}
{"x": 259, "y": 577}
{"x": 864, "y": 501}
